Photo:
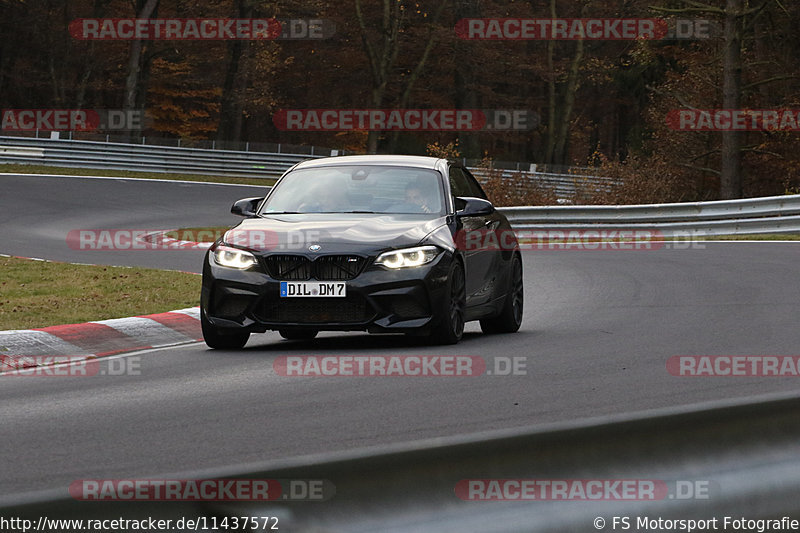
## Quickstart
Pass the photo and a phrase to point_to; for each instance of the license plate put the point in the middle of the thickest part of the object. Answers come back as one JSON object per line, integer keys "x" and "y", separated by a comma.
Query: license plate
{"x": 303, "y": 289}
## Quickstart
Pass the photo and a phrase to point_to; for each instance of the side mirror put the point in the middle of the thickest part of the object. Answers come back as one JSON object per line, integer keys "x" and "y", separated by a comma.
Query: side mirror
{"x": 246, "y": 207}
{"x": 468, "y": 206}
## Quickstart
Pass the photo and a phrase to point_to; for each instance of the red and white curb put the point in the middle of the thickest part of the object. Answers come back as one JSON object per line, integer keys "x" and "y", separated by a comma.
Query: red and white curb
{"x": 99, "y": 339}
{"x": 159, "y": 237}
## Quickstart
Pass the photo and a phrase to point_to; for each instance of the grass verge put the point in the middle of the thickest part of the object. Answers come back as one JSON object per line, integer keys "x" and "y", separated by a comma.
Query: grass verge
{"x": 41, "y": 169}
{"x": 35, "y": 294}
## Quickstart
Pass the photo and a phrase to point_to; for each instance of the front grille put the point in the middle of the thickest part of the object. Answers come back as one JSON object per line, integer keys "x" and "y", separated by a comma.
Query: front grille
{"x": 338, "y": 267}
{"x": 352, "y": 309}
{"x": 288, "y": 267}
{"x": 323, "y": 268}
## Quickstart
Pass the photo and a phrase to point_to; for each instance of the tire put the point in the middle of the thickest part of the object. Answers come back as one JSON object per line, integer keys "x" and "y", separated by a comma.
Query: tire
{"x": 222, "y": 339}
{"x": 510, "y": 318}
{"x": 298, "y": 334}
{"x": 450, "y": 327}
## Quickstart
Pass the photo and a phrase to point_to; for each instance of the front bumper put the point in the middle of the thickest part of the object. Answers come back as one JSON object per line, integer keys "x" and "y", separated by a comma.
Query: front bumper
{"x": 378, "y": 300}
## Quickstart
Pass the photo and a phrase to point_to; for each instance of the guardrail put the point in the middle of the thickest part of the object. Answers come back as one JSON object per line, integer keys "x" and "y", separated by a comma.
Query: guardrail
{"x": 773, "y": 214}
{"x": 146, "y": 158}
{"x": 744, "y": 457}
{"x": 565, "y": 186}
{"x": 154, "y": 158}
{"x": 777, "y": 214}
{"x": 177, "y": 142}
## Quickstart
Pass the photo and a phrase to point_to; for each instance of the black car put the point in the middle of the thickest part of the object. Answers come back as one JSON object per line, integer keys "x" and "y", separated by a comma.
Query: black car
{"x": 385, "y": 244}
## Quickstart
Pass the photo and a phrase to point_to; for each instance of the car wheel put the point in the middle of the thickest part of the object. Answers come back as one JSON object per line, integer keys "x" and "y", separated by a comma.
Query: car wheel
{"x": 220, "y": 338}
{"x": 298, "y": 334}
{"x": 510, "y": 318}
{"x": 450, "y": 328}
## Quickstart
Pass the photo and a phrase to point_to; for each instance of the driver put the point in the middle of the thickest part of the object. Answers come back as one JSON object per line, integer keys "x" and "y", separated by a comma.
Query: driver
{"x": 416, "y": 198}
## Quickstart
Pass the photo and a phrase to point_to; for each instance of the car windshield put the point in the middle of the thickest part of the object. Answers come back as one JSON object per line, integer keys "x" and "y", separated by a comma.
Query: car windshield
{"x": 358, "y": 189}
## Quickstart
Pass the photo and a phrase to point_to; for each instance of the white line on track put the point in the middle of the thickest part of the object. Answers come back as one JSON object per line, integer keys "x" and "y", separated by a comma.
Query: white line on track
{"x": 94, "y": 264}
{"x": 118, "y": 356}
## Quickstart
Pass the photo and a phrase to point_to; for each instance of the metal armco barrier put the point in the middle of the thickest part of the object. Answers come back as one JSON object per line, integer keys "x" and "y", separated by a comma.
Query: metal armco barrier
{"x": 729, "y": 459}
{"x": 146, "y": 158}
{"x": 565, "y": 186}
{"x": 152, "y": 158}
{"x": 776, "y": 214}
{"x": 773, "y": 214}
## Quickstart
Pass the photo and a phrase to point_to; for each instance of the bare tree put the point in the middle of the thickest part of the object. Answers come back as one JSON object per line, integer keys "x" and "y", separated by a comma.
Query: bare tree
{"x": 559, "y": 113}
{"x": 382, "y": 55}
{"x": 232, "y": 105}
{"x": 734, "y": 16}
{"x": 134, "y": 91}
{"x": 731, "y": 167}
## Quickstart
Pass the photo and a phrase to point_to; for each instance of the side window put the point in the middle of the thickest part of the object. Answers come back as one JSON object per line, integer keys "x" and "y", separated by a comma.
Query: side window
{"x": 459, "y": 184}
{"x": 477, "y": 191}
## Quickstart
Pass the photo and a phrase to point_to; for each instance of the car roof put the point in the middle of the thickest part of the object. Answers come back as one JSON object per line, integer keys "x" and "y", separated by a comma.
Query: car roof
{"x": 392, "y": 160}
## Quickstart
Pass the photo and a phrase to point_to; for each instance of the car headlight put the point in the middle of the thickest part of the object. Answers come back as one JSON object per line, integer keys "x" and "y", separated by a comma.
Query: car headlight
{"x": 233, "y": 257}
{"x": 408, "y": 257}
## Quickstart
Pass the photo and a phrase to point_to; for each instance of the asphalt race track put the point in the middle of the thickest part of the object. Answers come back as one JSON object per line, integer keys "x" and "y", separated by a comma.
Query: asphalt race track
{"x": 599, "y": 327}
{"x": 38, "y": 213}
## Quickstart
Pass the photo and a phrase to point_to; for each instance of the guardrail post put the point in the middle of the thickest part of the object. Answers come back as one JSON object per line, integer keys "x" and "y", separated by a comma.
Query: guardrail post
{"x": 279, "y": 147}
{"x": 247, "y": 146}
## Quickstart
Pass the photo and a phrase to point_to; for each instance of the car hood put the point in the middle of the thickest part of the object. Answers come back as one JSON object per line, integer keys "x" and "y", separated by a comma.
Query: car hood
{"x": 333, "y": 233}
